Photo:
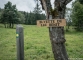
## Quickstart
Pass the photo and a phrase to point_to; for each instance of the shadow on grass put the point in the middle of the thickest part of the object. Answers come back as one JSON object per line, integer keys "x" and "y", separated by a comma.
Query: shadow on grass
{"x": 72, "y": 31}
{"x": 10, "y": 28}
{"x": 7, "y": 28}
{"x": 2, "y": 26}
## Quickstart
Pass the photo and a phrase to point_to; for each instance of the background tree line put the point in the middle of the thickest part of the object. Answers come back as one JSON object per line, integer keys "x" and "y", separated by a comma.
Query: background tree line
{"x": 77, "y": 15}
{"x": 10, "y": 15}
{"x": 74, "y": 15}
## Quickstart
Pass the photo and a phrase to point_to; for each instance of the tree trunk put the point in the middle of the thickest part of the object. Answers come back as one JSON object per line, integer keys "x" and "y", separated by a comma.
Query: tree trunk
{"x": 68, "y": 26}
{"x": 56, "y": 33}
{"x": 5, "y": 25}
{"x": 12, "y": 25}
{"x": 58, "y": 40}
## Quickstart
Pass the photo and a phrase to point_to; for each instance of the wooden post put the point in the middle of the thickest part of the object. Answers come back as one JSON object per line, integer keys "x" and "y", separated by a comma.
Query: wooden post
{"x": 20, "y": 42}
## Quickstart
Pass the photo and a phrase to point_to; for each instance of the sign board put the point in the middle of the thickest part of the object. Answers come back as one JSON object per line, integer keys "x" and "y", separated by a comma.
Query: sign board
{"x": 51, "y": 23}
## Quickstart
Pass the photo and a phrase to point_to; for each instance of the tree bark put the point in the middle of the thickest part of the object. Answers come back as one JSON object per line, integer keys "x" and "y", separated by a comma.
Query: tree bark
{"x": 58, "y": 39}
{"x": 58, "y": 43}
{"x": 56, "y": 33}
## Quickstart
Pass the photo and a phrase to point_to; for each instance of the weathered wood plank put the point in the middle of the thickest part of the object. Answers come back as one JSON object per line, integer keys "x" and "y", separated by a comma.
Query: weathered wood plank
{"x": 51, "y": 23}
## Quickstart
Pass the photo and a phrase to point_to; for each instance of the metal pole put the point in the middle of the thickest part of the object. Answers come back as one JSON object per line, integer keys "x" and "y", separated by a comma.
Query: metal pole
{"x": 20, "y": 42}
{"x": 50, "y": 18}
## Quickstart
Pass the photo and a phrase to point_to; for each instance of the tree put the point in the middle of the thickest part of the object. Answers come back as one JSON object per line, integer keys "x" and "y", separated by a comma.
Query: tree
{"x": 21, "y": 16}
{"x": 68, "y": 17}
{"x": 56, "y": 33}
{"x": 0, "y": 14}
{"x": 26, "y": 18}
{"x": 77, "y": 16}
{"x": 31, "y": 18}
{"x": 9, "y": 15}
{"x": 37, "y": 11}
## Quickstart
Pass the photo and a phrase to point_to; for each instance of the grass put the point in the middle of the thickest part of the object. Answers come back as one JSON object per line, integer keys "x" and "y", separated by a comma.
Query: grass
{"x": 37, "y": 44}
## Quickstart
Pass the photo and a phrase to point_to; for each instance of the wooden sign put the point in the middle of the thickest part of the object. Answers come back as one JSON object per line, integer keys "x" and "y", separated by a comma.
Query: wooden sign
{"x": 51, "y": 23}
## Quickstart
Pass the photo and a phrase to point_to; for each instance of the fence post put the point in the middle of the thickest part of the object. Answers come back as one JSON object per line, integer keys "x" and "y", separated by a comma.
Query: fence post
{"x": 20, "y": 42}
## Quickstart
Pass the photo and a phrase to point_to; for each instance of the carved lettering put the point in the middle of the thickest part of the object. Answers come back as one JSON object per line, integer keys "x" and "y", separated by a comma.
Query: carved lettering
{"x": 40, "y": 22}
{"x": 59, "y": 21}
{"x": 51, "y": 23}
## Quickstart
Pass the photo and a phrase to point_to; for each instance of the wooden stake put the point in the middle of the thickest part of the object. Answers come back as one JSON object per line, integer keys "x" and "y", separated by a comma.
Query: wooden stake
{"x": 20, "y": 42}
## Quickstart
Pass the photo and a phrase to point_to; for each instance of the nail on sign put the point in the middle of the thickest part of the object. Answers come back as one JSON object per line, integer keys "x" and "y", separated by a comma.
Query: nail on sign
{"x": 51, "y": 23}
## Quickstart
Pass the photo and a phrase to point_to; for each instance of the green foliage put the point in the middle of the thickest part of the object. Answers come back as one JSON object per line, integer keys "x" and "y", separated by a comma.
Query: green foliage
{"x": 81, "y": 1}
{"x": 21, "y": 17}
{"x": 1, "y": 10}
{"x": 37, "y": 9}
{"x": 32, "y": 17}
{"x": 9, "y": 15}
{"x": 68, "y": 17}
{"x": 77, "y": 16}
{"x": 0, "y": 15}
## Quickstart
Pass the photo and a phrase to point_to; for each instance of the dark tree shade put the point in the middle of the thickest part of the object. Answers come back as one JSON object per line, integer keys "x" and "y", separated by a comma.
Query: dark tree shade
{"x": 81, "y": 1}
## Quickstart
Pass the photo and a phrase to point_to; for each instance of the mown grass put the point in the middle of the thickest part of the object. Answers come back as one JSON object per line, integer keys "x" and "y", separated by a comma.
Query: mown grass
{"x": 37, "y": 44}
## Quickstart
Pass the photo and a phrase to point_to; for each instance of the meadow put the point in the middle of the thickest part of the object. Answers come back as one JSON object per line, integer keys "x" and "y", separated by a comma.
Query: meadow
{"x": 37, "y": 44}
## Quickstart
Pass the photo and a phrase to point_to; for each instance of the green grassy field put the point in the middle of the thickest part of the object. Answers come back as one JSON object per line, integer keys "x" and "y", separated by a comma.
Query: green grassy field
{"x": 37, "y": 44}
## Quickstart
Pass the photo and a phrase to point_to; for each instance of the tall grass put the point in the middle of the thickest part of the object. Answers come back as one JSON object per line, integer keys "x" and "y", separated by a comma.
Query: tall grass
{"x": 37, "y": 44}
